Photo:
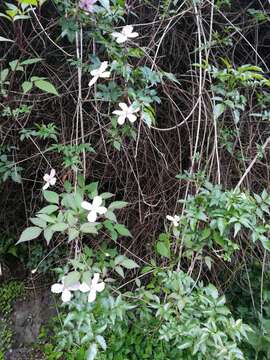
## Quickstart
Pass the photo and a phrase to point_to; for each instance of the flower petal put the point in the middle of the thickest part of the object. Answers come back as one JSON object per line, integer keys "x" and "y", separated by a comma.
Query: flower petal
{"x": 46, "y": 186}
{"x": 57, "y": 288}
{"x": 105, "y": 74}
{"x": 100, "y": 287}
{"x": 121, "y": 119}
{"x": 52, "y": 173}
{"x": 127, "y": 30}
{"x": 46, "y": 177}
{"x": 102, "y": 210}
{"x": 103, "y": 66}
{"x": 97, "y": 201}
{"x": 133, "y": 35}
{"x": 84, "y": 288}
{"x": 116, "y": 34}
{"x": 86, "y": 205}
{"x": 93, "y": 81}
{"x": 92, "y": 296}
{"x": 92, "y": 216}
{"x": 95, "y": 279}
{"x": 52, "y": 181}
{"x": 170, "y": 218}
{"x": 132, "y": 118}
{"x": 66, "y": 295}
{"x": 121, "y": 39}
{"x": 118, "y": 112}
{"x": 123, "y": 106}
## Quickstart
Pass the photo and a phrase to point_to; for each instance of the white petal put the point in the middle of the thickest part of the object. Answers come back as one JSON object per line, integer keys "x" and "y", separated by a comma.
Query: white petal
{"x": 95, "y": 279}
{"x": 92, "y": 295}
{"x": 105, "y": 74}
{"x": 133, "y": 35}
{"x": 93, "y": 81}
{"x": 52, "y": 181}
{"x": 86, "y": 205}
{"x": 84, "y": 288}
{"x": 121, "y": 39}
{"x": 66, "y": 295}
{"x": 46, "y": 186}
{"x": 46, "y": 177}
{"x": 170, "y": 218}
{"x": 123, "y": 106}
{"x": 100, "y": 287}
{"x": 127, "y": 30}
{"x": 118, "y": 112}
{"x": 132, "y": 118}
{"x": 92, "y": 216}
{"x": 116, "y": 34}
{"x": 102, "y": 210}
{"x": 177, "y": 218}
{"x": 103, "y": 66}
{"x": 57, "y": 288}
{"x": 121, "y": 119}
{"x": 52, "y": 173}
{"x": 97, "y": 201}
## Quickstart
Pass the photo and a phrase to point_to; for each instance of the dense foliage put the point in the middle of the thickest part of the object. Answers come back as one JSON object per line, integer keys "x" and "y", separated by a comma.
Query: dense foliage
{"x": 134, "y": 175}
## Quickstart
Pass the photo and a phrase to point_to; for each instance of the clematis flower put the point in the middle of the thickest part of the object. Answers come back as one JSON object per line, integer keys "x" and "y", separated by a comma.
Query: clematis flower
{"x": 87, "y": 5}
{"x": 93, "y": 288}
{"x": 127, "y": 112}
{"x": 66, "y": 291}
{"x": 99, "y": 73}
{"x": 50, "y": 179}
{"x": 125, "y": 34}
{"x": 94, "y": 209}
{"x": 174, "y": 219}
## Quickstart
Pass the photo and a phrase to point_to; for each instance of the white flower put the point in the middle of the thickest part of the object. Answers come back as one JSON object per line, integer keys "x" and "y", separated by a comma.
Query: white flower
{"x": 99, "y": 73}
{"x": 127, "y": 112}
{"x": 94, "y": 208}
{"x": 174, "y": 219}
{"x": 125, "y": 34}
{"x": 93, "y": 288}
{"x": 50, "y": 179}
{"x": 65, "y": 290}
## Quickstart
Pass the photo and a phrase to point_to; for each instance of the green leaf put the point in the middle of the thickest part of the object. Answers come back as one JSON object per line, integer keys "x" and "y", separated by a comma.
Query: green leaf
{"x": 27, "y": 86}
{"x": 129, "y": 264}
{"x": 30, "y": 233}
{"x": 72, "y": 234}
{"x": 29, "y": 2}
{"x": 120, "y": 271}
{"x": 31, "y": 61}
{"x": 117, "y": 205}
{"x": 72, "y": 278}
{"x": 122, "y": 230}
{"x": 48, "y": 234}
{"x": 105, "y": 4}
{"x": 110, "y": 215}
{"x": 51, "y": 196}
{"x": 38, "y": 222}
{"x": 218, "y": 110}
{"x": 48, "y": 209}
{"x": 88, "y": 228}
{"x": 59, "y": 227}
{"x": 163, "y": 249}
{"x": 46, "y": 86}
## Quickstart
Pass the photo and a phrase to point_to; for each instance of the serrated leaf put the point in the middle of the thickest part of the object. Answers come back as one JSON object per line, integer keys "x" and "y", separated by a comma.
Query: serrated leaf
{"x": 71, "y": 278}
{"x": 218, "y": 110}
{"x": 38, "y": 222}
{"x": 110, "y": 215}
{"x": 51, "y": 196}
{"x": 46, "y": 86}
{"x": 72, "y": 234}
{"x": 30, "y": 233}
{"x": 48, "y": 234}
